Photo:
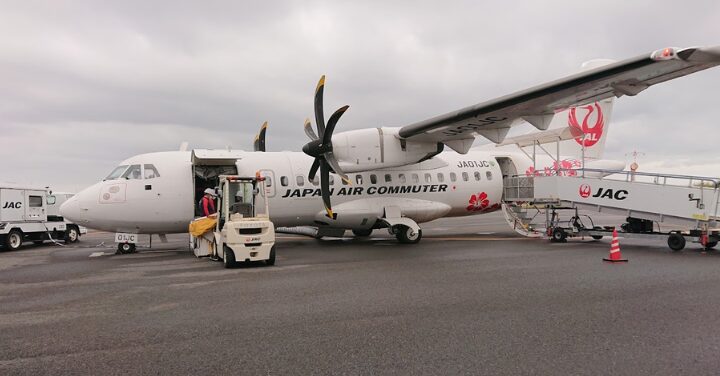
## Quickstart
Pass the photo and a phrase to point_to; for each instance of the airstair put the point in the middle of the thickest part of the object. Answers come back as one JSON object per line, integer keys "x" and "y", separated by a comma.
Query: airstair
{"x": 687, "y": 204}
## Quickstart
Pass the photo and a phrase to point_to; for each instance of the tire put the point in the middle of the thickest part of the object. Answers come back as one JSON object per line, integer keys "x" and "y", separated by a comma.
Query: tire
{"x": 711, "y": 245}
{"x": 597, "y": 237}
{"x": 362, "y": 233}
{"x": 125, "y": 248}
{"x": 72, "y": 234}
{"x": 271, "y": 260}
{"x": 228, "y": 258}
{"x": 558, "y": 235}
{"x": 14, "y": 240}
{"x": 406, "y": 235}
{"x": 676, "y": 242}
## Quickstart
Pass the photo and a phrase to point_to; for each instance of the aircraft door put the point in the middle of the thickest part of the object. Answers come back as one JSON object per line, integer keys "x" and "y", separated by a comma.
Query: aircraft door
{"x": 507, "y": 166}
{"x": 270, "y": 182}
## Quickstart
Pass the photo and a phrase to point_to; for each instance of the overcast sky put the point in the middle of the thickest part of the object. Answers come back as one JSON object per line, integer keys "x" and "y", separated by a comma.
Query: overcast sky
{"x": 86, "y": 84}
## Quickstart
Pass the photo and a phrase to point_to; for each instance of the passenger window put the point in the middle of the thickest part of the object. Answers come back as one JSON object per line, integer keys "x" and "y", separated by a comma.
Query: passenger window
{"x": 388, "y": 178}
{"x": 284, "y": 181}
{"x": 268, "y": 182}
{"x": 315, "y": 181}
{"x": 299, "y": 180}
{"x": 402, "y": 178}
{"x": 116, "y": 172}
{"x": 358, "y": 179}
{"x": 488, "y": 175}
{"x": 453, "y": 177}
{"x": 133, "y": 172}
{"x": 50, "y": 200}
{"x": 373, "y": 179}
{"x": 331, "y": 180}
{"x": 415, "y": 178}
{"x": 477, "y": 175}
{"x": 345, "y": 182}
{"x": 465, "y": 176}
{"x": 151, "y": 172}
{"x": 441, "y": 177}
{"x": 428, "y": 178}
{"x": 35, "y": 201}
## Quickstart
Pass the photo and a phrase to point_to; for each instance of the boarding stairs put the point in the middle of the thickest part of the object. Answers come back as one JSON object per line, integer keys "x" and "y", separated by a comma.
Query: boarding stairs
{"x": 688, "y": 201}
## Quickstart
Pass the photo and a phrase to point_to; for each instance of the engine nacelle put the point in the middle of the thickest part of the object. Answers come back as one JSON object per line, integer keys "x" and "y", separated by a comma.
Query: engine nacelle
{"x": 376, "y": 148}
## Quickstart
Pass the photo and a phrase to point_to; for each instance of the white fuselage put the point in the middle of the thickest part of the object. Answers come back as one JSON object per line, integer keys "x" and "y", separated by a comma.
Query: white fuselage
{"x": 448, "y": 185}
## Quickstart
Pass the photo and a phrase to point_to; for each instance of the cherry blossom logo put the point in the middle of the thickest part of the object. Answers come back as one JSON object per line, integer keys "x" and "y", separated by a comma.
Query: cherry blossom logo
{"x": 566, "y": 167}
{"x": 481, "y": 203}
{"x": 584, "y": 191}
{"x": 588, "y": 136}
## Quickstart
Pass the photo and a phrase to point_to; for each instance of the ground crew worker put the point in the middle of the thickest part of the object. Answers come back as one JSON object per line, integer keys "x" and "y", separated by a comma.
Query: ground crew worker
{"x": 207, "y": 204}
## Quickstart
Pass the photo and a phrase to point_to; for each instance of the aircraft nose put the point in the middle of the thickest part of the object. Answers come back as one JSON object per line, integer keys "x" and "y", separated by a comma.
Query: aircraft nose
{"x": 70, "y": 209}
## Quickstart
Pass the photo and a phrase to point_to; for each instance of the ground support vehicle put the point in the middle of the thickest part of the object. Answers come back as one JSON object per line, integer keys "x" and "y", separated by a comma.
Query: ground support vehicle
{"x": 32, "y": 214}
{"x": 676, "y": 207}
{"x": 241, "y": 231}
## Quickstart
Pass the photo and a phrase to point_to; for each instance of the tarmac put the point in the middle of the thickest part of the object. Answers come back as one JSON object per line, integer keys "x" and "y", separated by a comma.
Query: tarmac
{"x": 471, "y": 298}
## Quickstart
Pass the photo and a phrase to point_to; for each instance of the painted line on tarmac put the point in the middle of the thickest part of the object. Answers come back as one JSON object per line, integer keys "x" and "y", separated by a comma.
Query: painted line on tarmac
{"x": 457, "y": 238}
{"x": 98, "y": 254}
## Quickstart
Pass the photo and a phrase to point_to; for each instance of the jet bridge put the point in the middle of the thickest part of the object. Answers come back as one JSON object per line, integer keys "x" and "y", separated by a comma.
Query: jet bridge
{"x": 688, "y": 204}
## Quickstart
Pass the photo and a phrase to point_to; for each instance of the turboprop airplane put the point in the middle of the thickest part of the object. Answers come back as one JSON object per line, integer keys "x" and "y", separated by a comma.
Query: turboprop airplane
{"x": 389, "y": 177}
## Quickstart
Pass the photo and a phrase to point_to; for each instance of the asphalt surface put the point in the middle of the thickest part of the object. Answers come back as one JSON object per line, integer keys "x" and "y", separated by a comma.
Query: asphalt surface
{"x": 471, "y": 298}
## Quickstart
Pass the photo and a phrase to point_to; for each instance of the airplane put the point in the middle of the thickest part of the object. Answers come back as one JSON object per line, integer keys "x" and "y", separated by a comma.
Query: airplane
{"x": 390, "y": 177}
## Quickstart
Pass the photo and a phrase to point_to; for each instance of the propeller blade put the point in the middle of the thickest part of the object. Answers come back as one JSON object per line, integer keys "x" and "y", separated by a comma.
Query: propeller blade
{"x": 319, "y": 115}
{"x": 327, "y": 137}
{"x": 313, "y": 169}
{"x": 330, "y": 159}
{"x": 259, "y": 144}
{"x": 325, "y": 188}
{"x": 309, "y": 131}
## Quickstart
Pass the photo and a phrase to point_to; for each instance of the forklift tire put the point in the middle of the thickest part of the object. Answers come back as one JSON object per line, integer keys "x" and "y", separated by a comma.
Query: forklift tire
{"x": 362, "y": 233}
{"x": 676, "y": 242}
{"x": 125, "y": 248}
{"x": 271, "y": 260}
{"x": 406, "y": 235}
{"x": 710, "y": 245}
{"x": 72, "y": 234}
{"x": 228, "y": 258}
{"x": 14, "y": 240}
{"x": 558, "y": 235}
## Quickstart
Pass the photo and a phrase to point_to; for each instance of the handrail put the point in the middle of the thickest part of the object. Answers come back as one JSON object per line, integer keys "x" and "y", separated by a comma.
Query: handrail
{"x": 556, "y": 172}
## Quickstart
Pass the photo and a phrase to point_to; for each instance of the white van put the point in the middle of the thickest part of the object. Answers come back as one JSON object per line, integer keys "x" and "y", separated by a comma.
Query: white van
{"x": 32, "y": 214}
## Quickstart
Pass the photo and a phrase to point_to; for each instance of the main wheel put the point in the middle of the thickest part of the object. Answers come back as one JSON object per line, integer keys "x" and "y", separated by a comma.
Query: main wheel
{"x": 558, "y": 235}
{"x": 228, "y": 257}
{"x": 407, "y": 235}
{"x": 14, "y": 240}
{"x": 362, "y": 233}
{"x": 676, "y": 242}
{"x": 72, "y": 234}
{"x": 271, "y": 260}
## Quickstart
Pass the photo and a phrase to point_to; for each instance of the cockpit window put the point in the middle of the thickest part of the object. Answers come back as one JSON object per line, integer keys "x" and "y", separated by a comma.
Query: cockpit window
{"x": 116, "y": 172}
{"x": 151, "y": 172}
{"x": 133, "y": 172}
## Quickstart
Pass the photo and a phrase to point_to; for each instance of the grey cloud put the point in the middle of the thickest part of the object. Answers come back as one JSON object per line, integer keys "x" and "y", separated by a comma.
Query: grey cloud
{"x": 87, "y": 84}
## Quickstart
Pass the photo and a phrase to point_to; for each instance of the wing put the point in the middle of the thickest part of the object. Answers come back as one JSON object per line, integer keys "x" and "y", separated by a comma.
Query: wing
{"x": 537, "y": 105}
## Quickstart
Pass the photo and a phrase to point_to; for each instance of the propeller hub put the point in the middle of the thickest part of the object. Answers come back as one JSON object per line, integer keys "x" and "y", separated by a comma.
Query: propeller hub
{"x": 316, "y": 148}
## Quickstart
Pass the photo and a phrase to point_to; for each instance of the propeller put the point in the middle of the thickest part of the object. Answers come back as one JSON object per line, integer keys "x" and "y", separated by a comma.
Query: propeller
{"x": 259, "y": 144}
{"x": 320, "y": 147}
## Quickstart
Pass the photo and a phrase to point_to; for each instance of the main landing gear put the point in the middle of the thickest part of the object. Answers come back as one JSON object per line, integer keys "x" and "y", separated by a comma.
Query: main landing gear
{"x": 406, "y": 234}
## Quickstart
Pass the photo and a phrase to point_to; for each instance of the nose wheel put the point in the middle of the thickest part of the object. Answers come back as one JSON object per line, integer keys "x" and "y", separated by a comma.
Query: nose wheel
{"x": 125, "y": 248}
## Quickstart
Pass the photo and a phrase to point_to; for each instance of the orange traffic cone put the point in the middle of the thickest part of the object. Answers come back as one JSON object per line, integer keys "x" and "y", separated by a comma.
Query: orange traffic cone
{"x": 615, "y": 255}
